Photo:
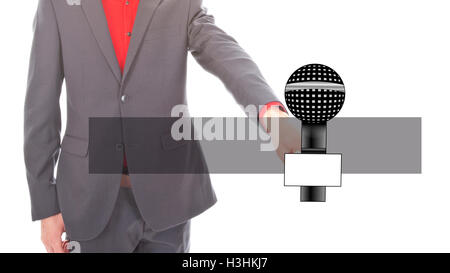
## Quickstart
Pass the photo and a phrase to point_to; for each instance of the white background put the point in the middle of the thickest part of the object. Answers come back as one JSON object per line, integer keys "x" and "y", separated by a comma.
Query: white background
{"x": 394, "y": 59}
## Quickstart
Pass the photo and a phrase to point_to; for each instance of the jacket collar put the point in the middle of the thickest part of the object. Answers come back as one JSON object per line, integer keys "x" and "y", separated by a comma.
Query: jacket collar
{"x": 95, "y": 14}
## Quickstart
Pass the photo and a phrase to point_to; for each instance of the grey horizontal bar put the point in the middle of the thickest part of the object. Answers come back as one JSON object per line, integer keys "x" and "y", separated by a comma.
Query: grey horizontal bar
{"x": 367, "y": 145}
{"x": 377, "y": 145}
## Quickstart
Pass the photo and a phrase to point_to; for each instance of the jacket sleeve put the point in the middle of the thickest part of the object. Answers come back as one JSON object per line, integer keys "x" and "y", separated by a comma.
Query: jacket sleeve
{"x": 42, "y": 115}
{"x": 221, "y": 55}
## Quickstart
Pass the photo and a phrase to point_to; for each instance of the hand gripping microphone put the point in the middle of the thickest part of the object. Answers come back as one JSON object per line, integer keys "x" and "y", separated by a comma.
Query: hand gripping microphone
{"x": 314, "y": 94}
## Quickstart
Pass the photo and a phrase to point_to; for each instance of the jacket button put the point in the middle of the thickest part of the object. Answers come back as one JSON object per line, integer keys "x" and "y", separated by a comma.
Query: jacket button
{"x": 119, "y": 147}
{"x": 124, "y": 98}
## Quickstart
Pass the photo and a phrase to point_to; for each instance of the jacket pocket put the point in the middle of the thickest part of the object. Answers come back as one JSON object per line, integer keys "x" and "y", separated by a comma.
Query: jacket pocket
{"x": 75, "y": 146}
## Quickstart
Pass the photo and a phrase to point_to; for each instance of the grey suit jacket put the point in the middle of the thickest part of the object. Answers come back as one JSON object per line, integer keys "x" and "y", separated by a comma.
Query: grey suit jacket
{"x": 72, "y": 43}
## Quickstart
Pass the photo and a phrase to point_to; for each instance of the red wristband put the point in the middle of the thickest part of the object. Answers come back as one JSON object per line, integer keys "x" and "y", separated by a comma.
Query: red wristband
{"x": 269, "y": 105}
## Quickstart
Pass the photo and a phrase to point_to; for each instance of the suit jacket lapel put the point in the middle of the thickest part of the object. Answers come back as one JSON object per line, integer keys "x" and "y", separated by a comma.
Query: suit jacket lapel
{"x": 95, "y": 15}
{"x": 144, "y": 16}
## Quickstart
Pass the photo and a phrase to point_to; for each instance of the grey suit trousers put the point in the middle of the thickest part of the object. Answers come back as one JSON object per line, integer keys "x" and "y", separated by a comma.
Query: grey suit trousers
{"x": 128, "y": 232}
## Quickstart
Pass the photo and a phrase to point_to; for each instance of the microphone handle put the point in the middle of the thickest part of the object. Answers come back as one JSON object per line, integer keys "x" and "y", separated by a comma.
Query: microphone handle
{"x": 314, "y": 141}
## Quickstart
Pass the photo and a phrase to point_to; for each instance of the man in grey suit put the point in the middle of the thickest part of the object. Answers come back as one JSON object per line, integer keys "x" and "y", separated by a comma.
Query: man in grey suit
{"x": 122, "y": 212}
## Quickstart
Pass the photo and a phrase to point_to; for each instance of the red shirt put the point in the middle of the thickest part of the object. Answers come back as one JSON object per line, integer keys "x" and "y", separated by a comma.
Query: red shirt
{"x": 120, "y": 15}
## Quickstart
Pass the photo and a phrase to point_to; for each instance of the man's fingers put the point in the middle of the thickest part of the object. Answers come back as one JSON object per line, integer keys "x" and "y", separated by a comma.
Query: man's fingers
{"x": 65, "y": 246}
{"x": 281, "y": 151}
{"x": 295, "y": 149}
{"x": 48, "y": 248}
{"x": 54, "y": 246}
{"x": 47, "y": 244}
{"x": 58, "y": 247}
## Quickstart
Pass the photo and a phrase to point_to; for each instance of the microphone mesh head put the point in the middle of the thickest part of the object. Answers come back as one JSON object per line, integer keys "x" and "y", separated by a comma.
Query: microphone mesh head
{"x": 315, "y": 93}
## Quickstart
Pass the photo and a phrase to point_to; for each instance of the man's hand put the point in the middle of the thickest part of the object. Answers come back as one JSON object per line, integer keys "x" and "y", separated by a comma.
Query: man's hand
{"x": 51, "y": 230}
{"x": 289, "y": 135}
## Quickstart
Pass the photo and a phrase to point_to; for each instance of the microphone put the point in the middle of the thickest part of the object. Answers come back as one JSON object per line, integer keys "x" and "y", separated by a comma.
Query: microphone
{"x": 314, "y": 94}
